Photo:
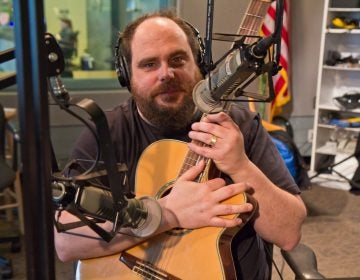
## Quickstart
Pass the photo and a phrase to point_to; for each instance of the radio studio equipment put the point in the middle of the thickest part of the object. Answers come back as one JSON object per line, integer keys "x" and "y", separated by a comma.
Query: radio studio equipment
{"x": 77, "y": 194}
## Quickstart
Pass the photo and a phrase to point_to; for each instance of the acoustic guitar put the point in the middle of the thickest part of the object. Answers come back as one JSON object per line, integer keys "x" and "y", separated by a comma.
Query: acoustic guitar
{"x": 203, "y": 253}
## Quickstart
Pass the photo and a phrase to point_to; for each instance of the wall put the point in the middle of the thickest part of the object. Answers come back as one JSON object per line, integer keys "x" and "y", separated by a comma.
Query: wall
{"x": 306, "y": 20}
{"x": 306, "y": 24}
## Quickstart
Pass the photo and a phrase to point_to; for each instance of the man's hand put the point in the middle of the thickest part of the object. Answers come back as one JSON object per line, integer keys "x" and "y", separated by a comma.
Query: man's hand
{"x": 226, "y": 149}
{"x": 193, "y": 205}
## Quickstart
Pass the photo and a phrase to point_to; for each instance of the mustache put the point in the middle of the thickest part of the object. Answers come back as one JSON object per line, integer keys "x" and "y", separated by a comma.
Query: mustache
{"x": 169, "y": 86}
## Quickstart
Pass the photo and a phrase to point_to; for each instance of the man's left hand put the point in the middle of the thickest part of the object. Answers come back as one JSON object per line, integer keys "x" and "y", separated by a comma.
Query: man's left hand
{"x": 224, "y": 142}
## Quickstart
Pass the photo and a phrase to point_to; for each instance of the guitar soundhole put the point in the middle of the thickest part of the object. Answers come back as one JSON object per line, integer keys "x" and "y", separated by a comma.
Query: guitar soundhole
{"x": 164, "y": 191}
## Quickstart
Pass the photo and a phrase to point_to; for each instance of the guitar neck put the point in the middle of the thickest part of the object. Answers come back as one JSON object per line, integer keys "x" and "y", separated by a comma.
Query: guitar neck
{"x": 192, "y": 159}
{"x": 253, "y": 19}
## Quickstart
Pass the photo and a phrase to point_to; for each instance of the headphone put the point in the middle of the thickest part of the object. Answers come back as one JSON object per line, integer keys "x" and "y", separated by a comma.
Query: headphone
{"x": 123, "y": 70}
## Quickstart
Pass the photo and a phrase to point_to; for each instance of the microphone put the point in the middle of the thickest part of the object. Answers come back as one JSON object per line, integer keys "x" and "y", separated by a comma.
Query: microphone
{"x": 240, "y": 67}
{"x": 142, "y": 216}
{"x": 260, "y": 49}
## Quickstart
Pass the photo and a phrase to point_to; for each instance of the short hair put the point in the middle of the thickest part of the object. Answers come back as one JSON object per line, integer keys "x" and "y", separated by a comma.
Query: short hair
{"x": 128, "y": 34}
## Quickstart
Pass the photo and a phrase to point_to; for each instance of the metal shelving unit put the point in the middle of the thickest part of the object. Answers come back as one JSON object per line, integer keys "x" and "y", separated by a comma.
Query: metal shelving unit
{"x": 334, "y": 81}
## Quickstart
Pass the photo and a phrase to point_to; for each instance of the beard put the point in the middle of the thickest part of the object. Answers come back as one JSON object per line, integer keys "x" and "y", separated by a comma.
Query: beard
{"x": 167, "y": 119}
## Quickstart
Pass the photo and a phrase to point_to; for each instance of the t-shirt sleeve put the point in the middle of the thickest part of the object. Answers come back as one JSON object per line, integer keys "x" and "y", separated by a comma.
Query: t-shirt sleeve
{"x": 264, "y": 154}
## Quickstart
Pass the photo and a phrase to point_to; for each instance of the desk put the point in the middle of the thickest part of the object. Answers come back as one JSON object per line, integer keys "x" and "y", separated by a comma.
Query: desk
{"x": 94, "y": 74}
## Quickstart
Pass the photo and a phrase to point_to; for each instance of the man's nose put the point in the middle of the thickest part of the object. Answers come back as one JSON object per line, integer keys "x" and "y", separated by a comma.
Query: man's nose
{"x": 166, "y": 72}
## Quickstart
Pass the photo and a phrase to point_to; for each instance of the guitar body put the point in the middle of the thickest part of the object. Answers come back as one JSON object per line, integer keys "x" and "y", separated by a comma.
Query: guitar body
{"x": 180, "y": 254}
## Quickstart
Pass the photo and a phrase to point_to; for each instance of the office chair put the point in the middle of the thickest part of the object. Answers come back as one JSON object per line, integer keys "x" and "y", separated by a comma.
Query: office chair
{"x": 302, "y": 261}
{"x": 7, "y": 180}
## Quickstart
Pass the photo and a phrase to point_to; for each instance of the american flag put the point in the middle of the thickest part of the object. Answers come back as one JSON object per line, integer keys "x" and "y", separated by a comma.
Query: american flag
{"x": 281, "y": 80}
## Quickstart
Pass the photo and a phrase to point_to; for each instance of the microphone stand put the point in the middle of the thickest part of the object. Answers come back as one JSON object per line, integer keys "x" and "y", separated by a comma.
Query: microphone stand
{"x": 208, "y": 38}
{"x": 277, "y": 34}
{"x": 55, "y": 65}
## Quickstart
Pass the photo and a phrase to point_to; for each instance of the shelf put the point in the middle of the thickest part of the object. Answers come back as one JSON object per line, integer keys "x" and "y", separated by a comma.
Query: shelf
{"x": 332, "y": 137}
{"x": 347, "y": 10}
{"x": 331, "y": 181}
{"x": 328, "y": 149}
{"x": 341, "y": 68}
{"x": 328, "y": 126}
{"x": 342, "y": 31}
{"x": 330, "y": 107}
{"x": 336, "y": 149}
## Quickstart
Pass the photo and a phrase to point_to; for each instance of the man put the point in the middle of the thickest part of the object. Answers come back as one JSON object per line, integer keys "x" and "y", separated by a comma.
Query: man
{"x": 161, "y": 53}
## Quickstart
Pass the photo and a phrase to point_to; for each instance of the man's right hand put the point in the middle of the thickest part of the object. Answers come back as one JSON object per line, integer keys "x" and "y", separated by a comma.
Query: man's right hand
{"x": 193, "y": 205}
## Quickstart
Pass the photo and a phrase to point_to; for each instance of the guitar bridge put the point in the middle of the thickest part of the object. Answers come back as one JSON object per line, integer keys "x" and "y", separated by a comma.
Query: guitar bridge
{"x": 145, "y": 269}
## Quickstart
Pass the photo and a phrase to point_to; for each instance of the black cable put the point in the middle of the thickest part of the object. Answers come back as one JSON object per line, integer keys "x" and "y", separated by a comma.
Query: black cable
{"x": 270, "y": 256}
{"x": 87, "y": 124}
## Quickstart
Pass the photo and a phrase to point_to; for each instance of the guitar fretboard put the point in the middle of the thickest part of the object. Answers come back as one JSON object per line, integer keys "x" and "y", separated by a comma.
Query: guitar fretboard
{"x": 253, "y": 18}
{"x": 191, "y": 159}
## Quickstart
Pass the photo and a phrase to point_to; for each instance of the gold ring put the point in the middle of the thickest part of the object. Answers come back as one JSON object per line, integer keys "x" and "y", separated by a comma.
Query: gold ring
{"x": 213, "y": 140}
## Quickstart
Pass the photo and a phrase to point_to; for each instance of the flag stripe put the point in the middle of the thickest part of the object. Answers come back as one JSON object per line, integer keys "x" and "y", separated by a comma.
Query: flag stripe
{"x": 281, "y": 80}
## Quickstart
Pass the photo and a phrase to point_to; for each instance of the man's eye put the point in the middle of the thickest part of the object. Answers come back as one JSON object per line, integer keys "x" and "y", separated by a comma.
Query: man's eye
{"x": 178, "y": 60}
{"x": 148, "y": 65}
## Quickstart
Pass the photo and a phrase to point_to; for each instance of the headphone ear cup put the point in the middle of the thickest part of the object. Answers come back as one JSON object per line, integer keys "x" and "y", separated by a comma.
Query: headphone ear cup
{"x": 201, "y": 55}
{"x": 123, "y": 73}
{"x": 121, "y": 67}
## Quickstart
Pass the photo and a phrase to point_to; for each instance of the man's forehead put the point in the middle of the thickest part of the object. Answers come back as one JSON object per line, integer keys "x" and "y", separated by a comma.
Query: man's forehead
{"x": 159, "y": 21}
{"x": 157, "y": 37}
{"x": 158, "y": 24}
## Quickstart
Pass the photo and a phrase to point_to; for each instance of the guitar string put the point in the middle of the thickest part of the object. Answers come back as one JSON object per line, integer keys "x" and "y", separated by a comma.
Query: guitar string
{"x": 190, "y": 160}
{"x": 253, "y": 18}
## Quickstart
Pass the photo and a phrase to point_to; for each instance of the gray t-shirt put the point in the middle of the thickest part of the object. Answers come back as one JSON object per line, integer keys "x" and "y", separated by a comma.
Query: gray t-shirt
{"x": 131, "y": 135}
